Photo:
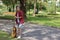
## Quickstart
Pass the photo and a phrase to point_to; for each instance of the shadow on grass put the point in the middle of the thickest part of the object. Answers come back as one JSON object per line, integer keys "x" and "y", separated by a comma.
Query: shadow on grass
{"x": 7, "y": 17}
{"x": 5, "y": 36}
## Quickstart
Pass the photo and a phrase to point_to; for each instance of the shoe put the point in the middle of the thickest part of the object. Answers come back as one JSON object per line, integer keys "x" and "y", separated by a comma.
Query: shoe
{"x": 18, "y": 37}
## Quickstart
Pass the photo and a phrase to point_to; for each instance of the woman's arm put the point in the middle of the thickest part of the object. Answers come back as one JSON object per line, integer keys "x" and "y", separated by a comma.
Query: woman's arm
{"x": 17, "y": 17}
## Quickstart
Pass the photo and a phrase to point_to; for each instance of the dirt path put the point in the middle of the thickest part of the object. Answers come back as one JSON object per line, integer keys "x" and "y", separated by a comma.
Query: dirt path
{"x": 33, "y": 31}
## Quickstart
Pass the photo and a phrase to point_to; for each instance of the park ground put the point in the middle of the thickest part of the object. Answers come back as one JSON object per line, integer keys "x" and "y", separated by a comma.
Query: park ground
{"x": 31, "y": 31}
{"x": 44, "y": 26}
{"x": 42, "y": 18}
{"x": 41, "y": 27}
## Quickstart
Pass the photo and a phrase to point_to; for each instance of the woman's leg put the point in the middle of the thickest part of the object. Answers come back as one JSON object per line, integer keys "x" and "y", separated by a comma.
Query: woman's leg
{"x": 19, "y": 31}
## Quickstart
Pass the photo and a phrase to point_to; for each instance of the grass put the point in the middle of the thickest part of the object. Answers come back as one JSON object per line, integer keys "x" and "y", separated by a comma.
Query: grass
{"x": 49, "y": 20}
{"x": 9, "y": 17}
{"x": 5, "y": 36}
{"x": 41, "y": 18}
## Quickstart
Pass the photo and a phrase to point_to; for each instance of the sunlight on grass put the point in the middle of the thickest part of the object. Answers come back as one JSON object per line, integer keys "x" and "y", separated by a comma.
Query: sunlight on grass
{"x": 9, "y": 13}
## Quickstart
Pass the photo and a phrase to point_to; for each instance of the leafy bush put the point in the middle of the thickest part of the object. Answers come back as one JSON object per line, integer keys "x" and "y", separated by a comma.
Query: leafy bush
{"x": 58, "y": 9}
{"x": 51, "y": 8}
{"x": 43, "y": 5}
{"x": 2, "y": 9}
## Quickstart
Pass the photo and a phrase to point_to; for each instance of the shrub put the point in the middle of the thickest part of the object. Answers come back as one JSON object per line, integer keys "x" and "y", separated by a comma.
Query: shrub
{"x": 43, "y": 5}
{"x": 58, "y": 9}
{"x": 2, "y": 9}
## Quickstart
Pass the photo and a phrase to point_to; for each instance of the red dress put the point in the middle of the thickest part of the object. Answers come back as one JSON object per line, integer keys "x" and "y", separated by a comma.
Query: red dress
{"x": 20, "y": 14}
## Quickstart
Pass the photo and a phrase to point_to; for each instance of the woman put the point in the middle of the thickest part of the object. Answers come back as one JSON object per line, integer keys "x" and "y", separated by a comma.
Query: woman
{"x": 19, "y": 20}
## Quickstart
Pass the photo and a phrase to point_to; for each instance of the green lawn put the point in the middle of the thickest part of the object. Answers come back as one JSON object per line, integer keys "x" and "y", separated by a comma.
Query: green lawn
{"x": 49, "y": 20}
{"x": 5, "y": 36}
{"x": 9, "y": 17}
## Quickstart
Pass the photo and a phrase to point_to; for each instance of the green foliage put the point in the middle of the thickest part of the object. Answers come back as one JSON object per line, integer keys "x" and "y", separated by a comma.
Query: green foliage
{"x": 48, "y": 20}
{"x": 29, "y": 6}
{"x": 1, "y": 6}
{"x": 58, "y": 9}
{"x": 38, "y": 6}
{"x": 51, "y": 8}
{"x": 43, "y": 5}
{"x": 6, "y": 2}
{"x": 2, "y": 9}
{"x": 9, "y": 2}
{"x": 52, "y": 14}
{"x": 5, "y": 36}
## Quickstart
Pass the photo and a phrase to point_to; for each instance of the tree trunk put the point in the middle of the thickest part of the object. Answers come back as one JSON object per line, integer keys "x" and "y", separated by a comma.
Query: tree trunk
{"x": 23, "y": 7}
{"x": 55, "y": 6}
{"x": 34, "y": 7}
{"x": 41, "y": 5}
{"x": 7, "y": 8}
{"x": 54, "y": 2}
{"x": 29, "y": 7}
{"x": 47, "y": 7}
{"x": 13, "y": 7}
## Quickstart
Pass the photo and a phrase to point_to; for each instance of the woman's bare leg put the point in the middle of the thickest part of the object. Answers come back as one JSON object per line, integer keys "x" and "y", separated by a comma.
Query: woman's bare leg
{"x": 19, "y": 32}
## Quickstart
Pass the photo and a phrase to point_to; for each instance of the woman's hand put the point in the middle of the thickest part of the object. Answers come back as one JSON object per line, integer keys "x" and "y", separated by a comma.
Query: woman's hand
{"x": 17, "y": 17}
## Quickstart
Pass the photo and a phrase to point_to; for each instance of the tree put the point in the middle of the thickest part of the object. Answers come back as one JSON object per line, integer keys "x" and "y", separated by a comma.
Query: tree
{"x": 23, "y": 6}
{"x": 35, "y": 1}
{"x": 55, "y": 6}
{"x": 6, "y": 2}
{"x": 52, "y": 6}
{"x": 9, "y": 3}
{"x": 13, "y": 3}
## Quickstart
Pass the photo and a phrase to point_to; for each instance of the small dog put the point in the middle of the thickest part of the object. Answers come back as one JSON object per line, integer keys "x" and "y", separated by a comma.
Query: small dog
{"x": 14, "y": 32}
